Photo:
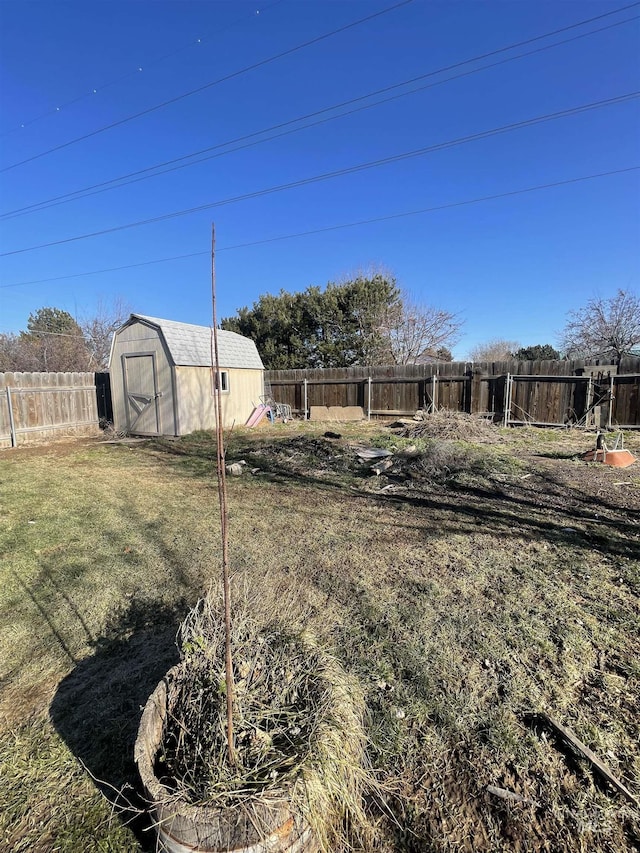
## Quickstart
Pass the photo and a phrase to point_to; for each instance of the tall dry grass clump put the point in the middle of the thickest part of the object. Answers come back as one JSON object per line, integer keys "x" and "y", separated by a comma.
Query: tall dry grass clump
{"x": 298, "y": 723}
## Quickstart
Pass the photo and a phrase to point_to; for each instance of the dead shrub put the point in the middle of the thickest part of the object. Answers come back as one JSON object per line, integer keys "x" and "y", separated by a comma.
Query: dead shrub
{"x": 298, "y": 722}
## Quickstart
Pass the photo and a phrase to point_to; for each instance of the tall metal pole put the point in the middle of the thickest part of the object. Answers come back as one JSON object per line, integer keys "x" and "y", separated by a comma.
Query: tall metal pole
{"x": 222, "y": 492}
{"x": 369, "y": 399}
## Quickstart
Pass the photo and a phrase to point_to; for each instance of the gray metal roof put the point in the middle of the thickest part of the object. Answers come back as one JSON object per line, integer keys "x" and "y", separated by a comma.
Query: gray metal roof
{"x": 190, "y": 345}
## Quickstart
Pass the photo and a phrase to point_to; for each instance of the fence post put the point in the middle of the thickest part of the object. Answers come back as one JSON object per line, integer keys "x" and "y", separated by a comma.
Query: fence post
{"x": 369, "y": 399}
{"x": 306, "y": 408}
{"x": 610, "y": 425}
{"x": 475, "y": 391}
{"x": 12, "y": 425}
{"x": 434, "y": 391}
{"x": 507, "y": 399}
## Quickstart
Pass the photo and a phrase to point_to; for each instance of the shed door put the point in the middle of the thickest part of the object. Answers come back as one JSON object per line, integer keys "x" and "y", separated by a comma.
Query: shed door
{"x": 141, "y": 394}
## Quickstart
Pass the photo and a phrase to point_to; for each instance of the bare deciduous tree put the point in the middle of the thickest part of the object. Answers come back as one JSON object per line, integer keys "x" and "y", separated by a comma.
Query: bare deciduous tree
{"x": 17, "y": 354}
{"x": 604, "y": 328}
{"x": 55, "y": 341}
{"x": 98, "y": 330}
{"x": 411, "y": 332}
{"x": 494, "y": 350}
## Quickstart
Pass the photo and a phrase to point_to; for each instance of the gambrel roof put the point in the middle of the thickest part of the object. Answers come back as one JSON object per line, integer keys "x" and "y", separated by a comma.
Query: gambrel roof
{"x": 190, "y": 345}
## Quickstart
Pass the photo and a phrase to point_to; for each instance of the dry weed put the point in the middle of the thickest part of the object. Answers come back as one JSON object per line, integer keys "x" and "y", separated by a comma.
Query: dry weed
{"x": 455, "y": 426}
{"x": 298, "y": 723}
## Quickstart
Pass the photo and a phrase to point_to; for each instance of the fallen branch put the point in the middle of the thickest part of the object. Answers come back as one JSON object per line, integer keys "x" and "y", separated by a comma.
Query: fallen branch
{"x": 567, "y": 735}
{"x": 505, "y": 794}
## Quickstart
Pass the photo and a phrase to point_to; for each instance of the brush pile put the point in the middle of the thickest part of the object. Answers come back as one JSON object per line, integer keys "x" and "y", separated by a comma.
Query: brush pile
{"x": 297, "y": 720}
{"x": 454, "y": 426}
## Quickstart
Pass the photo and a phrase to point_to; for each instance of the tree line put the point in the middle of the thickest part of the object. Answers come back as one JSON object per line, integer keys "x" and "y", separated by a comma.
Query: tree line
{"x": 606, "y": 329}
{"x": 55, "y": 342}
{"x": 368, "y": 320}
{"x": 365, "y": 320}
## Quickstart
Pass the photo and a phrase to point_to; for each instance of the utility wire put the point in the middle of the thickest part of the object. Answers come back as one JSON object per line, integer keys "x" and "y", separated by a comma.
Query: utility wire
{"x": 134, "y": 73}
{"x": 327, "y": 228}
{"x": 224, "y": 79}
{"x": 117, "y": 269}
{"x": 78, "y": 336}
{"x": 168, "y": 166}
{"x": 395, "y": 158}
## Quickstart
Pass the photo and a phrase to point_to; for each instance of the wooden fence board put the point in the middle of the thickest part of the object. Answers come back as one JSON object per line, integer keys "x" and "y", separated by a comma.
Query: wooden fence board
{"x": 627, "y": 400}
{"x": 559, "y": 394}
{"x": 40, "y": 407}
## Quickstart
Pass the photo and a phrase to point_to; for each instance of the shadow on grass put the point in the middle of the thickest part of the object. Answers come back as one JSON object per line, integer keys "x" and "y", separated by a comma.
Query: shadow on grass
{"x": 557, "y": 454}
{"x": 97, "y": 707}
{"x": 550, "y": 513}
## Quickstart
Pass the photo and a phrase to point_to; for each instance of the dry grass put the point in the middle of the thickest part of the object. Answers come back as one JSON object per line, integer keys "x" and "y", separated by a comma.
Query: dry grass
{"x": 458, "y": 605}
{"x": 48, "y": 801}
{"x": 298, "y": 721}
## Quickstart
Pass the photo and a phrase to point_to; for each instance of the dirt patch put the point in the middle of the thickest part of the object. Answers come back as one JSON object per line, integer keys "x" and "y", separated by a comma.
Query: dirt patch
{"x": 61, "y": 448}
{"x": 303, "y": 455}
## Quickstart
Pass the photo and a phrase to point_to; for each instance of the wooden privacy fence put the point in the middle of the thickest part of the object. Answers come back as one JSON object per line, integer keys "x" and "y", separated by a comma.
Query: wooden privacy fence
{"x": 40, "y": 407}
{"x": 551, "y": 393}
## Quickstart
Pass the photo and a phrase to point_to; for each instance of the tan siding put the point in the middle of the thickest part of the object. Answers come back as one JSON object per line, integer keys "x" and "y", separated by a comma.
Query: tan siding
{"x": 195, "y": 400}
{"x": 134, "y": 339}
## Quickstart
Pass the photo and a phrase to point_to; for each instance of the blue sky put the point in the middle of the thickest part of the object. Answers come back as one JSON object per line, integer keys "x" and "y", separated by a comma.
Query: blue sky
{"x": 512, "y": 267}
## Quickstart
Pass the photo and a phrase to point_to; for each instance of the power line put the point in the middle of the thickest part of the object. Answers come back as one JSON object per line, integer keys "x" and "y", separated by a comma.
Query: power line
{"x": 224, "y": 79}
{"x": 395, "y": 158}
{"x": 134, "y": 72}
{"x": 55, "y": 334}
{"x": 141, "y": 174}
{"x": 108, "y": 269}
{"x": 327, "y": 228}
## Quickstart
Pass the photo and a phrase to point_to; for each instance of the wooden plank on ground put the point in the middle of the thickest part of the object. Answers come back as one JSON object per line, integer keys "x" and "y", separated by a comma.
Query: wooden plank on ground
{"x": 567, "y": 735}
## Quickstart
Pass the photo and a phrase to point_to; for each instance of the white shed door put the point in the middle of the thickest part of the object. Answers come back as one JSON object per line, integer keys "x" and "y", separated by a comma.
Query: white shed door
{"x": 141, "y": 394}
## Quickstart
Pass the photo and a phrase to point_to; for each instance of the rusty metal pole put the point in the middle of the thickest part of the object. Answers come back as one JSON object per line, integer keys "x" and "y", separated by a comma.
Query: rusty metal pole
{"x": 224, "y": 514}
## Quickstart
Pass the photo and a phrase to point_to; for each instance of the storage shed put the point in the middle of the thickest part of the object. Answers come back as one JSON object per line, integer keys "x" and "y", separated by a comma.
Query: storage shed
{"x": 161, "y": 378}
